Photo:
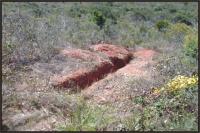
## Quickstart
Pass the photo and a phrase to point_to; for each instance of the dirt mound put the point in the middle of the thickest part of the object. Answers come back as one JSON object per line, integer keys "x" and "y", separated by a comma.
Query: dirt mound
{"x": 119, "y": 56}
{"x": 137, "y": 67}
{"x": 144, "y": 54}
{"x": 117, "y": 87}
{"x": 108, "y": 57}
{"x": 83, "y": 77}
{"x": 81, "y": 54}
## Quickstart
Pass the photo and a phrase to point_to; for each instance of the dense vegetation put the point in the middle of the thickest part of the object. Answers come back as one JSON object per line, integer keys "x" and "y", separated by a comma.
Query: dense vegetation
{"x": 34, "y": 31}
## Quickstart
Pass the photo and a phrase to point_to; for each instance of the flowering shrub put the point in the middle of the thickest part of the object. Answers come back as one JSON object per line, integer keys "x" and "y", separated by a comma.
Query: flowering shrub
{"x": 168, "y": 110}
{"x": 177, "y": 83}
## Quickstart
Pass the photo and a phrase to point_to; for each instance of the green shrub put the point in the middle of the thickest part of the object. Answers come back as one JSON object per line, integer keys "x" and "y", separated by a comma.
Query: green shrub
{"x": 157, "y": 9}
{"x": 172, "y": 10}
{"x": 191, "y": 45}
{"x": 162, "y": 25}
{"x": 76, "y": 11}
{"x": 101, "y": 13}
{"x": 99, "y": 19}
{"x": 177, "y": 31}
{"x": 86, "y": 118}
{"x": 182, "y": 18}
{"x": 191, "y": 48}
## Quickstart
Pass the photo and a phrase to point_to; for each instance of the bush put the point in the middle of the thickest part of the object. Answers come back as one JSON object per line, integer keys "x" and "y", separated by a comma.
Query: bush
{"x": 176, "y": 32}
{"x": 76, "y": 11}
{"x": 86, "y": 118}
{"x": 191, "y": 45}
{"x": 172, "y": 10}
{"x": 29, "y": 38}
{"x": 178, "y": 83}
{"x": 181, "y": 18}
{"x": 157, "y": 9}
{"x": 99, "y": 19}
{"x": 162, "y": 25}
{"x": 191, "y": 48}
{"x": 101, "y": 13}
{"x": 166, "y": 111}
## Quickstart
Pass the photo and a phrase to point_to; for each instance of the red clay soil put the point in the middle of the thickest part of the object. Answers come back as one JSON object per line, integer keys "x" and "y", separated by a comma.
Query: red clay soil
{"x": 143, "y": 58}
{"x": 145, "y": 54}
{"x": 118, "y": 56}
{"x": 108, "y": 89}
{"x": 83, "y": 77}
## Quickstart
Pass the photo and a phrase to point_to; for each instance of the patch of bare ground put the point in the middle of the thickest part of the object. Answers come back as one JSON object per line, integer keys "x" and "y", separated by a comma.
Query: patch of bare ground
{"x": 31, "y": 103}
{"x": 82, "y": 77}
{"x": 119, "y": 89}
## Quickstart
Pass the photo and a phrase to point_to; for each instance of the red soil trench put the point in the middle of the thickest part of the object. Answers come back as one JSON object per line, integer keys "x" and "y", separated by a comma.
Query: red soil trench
{"x": 118, "y": 58}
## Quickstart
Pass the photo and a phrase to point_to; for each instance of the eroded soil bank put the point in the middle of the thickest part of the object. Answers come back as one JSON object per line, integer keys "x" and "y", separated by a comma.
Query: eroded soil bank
{"x": 110, "y": 76}
{"x": 108, "y": 59}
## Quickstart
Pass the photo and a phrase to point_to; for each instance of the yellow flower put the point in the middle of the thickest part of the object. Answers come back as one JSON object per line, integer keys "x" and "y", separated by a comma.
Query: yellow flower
{"x": 156, "y": 91}
{"x": 177, "y": 83}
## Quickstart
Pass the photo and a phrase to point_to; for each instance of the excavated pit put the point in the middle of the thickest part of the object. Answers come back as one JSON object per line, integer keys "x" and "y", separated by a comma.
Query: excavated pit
{"x": 119, "y": 63}
{"x": 109, "y": 58}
